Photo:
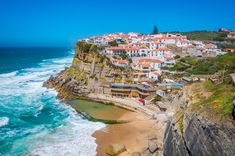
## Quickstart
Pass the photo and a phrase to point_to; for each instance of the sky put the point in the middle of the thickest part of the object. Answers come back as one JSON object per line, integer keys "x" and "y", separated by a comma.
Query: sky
{"x": 63, "y": 22}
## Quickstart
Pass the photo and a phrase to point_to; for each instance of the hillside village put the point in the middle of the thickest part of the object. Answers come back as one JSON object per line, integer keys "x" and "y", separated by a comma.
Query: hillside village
{"x": 150, "y": 57}
{"x": 151, "y": 52}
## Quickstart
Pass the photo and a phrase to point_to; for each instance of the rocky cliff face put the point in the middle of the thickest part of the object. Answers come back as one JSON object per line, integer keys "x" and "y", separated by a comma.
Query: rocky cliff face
{"x": 89, "y": 73}
{"x": 206, "y": 125}
{"x": 199, "y": 137}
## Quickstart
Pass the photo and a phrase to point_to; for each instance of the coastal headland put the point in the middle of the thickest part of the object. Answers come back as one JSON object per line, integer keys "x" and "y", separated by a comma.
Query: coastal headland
{"x": 153, "y": 101}
{"x": 133, "y": 129}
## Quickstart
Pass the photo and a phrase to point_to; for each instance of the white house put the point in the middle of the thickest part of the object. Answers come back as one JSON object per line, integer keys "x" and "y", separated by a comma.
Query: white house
{"x": 231, "y": 35}
{"x": 145, "y": 67}
{"x": 115, "y": 50}
{"x": 143, "y": 51}
{"x": 198, "y": 44}
{"x": 158, "y": 52}
{"x": 183, "y": 43}
{"x": 120, "y": 63}
{"x": 154, "y": 63}
{"x": 132, "y": 51}
{"x": 161, "y": 93}
{"x": 212, "y": 49}
{"x": 156, "y": 45}
{"x": 154, "y": 75}
{"x": 168, "y": 61}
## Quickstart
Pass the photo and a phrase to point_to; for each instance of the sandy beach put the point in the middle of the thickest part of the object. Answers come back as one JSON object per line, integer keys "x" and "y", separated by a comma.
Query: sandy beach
{"x": 141, "y": 123}
{"x": 134, "y": 134}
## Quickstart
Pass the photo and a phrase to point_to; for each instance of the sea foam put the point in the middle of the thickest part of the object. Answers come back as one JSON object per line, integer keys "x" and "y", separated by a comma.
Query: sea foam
{"x": 4, "y": 121}
{"x": 53, "y": 128}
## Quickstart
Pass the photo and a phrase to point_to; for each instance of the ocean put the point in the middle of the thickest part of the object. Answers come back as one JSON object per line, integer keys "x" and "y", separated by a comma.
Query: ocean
{"x": 32, "y": 120}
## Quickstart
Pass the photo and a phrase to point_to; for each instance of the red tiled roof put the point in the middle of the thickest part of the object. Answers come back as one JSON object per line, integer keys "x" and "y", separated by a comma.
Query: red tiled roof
{"x": 121, "y": 61}
{"x": 232, "y": 33}
{"x": 156, "y": 73}
{"x": 132, "y": 48}
{"x": 150, "y": 60}
{"x": 116, "y": 48}
{"x": 161, "y": 49}
{"x": 169, "y": 57}
{"x": 143, "y": 64}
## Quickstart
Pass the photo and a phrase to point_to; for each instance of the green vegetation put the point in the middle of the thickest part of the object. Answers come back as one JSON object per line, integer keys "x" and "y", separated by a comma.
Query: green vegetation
{"x": 193, "y": 65}
{"x": 113, "y": 43}
{"x": 224, "y": 46}
{"x": 205, "y": 35}
{"x": 124, "y": 55}
{"x": 79, "y": 75}
{"x": 214, "y": 102}
{"x": 180, "y": 120}
{"x": 176, "y": 57}
{"x": 86, "y": 48}
{"x": 157, "y": 98}
{"x": 220, "y": 100}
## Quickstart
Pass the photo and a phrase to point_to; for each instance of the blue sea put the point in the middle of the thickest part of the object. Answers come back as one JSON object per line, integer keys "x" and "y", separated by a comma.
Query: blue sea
{"x": 32, "y": 120}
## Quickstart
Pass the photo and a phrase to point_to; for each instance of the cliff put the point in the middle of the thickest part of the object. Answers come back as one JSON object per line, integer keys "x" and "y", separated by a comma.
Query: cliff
{"x": 90, "y": 72}
{"x": 205, "y": 127}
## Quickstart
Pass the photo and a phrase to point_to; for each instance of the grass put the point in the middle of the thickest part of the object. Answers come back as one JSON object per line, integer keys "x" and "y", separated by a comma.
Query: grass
{"x": 180, "y": 120}
{"x": 193, "y": 65}
{"x": 79, "y": 75}
{"x": 214, "y": 102}
{"x": 220, "y": 100}
{"x": 205, "y": 35}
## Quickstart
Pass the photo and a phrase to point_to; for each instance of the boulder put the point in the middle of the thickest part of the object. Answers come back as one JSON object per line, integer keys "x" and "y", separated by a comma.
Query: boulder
{"x": 115, "y": 149}
{"x": 152, "y": 145}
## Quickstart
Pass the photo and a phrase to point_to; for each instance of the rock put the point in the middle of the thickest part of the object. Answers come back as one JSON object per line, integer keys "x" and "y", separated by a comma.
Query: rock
{"x": 115, "y": 149}
{"x": 152, "y": 145}
{"x": 200, "y": 137}
{"x": 136, "y": 154}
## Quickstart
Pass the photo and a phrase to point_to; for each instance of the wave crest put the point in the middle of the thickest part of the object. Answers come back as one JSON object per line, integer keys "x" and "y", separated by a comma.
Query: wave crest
{"x": 4, "y": 121}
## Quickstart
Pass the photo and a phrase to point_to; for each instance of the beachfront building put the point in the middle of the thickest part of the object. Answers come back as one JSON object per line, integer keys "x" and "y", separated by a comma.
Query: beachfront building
{"x": 130, "y": 90}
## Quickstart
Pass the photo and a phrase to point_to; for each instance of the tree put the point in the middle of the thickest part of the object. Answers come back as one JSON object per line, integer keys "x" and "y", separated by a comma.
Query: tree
{"x": 155, "y": 30}
{"x": 124, "y": 55}
{"x": 113, "y": 43}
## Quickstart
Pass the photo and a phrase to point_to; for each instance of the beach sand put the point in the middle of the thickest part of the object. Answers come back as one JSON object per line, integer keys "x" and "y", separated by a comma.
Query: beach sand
{"x": 134, "y": 134}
